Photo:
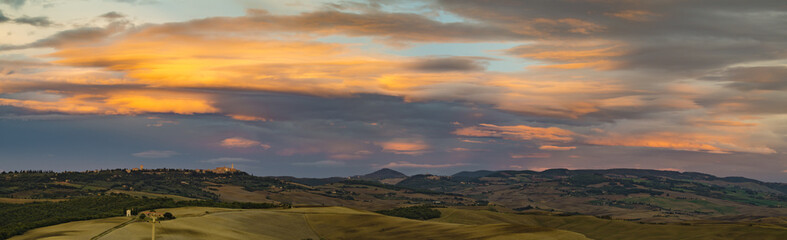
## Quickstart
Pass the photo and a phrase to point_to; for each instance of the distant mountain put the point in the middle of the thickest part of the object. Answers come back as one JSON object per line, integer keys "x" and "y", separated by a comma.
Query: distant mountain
{"x": 385, "y": 173}
{"x": 665, "y": 195}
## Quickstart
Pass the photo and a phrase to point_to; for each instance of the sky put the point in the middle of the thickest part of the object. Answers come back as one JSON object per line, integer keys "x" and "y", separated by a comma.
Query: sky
{"x": 339, "y": 88}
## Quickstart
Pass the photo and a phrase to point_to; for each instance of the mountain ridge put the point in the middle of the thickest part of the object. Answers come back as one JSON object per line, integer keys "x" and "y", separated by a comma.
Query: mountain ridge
{"x": 631, "y": 194}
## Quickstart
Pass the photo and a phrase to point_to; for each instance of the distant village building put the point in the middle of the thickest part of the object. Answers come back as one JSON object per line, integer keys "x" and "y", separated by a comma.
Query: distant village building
{"x": 141, "y": 167}
{"x": 220, "y": 170}
{"x": 128, "y": 212}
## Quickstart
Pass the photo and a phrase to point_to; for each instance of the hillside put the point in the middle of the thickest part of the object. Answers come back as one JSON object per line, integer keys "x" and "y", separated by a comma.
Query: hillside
{"x": 346, "y": 223}
{"x": 299, "y": 223}
{"x": 18, "y": 218}
{"x": 598, "y": 228}
{"x": 635, "y": 195}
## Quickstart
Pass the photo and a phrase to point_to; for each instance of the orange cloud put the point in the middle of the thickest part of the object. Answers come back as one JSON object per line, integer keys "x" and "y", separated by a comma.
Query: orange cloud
{"x": 518, "y": 132}
{"x": 697, "y": 142}
{"x": 532, "y": 155}
{"x": 555, "y": 95}
{"x": 545, "y": 27}
{"x": 459, "y": 149}
{"x": 247, "y": 118}
{"x": 74, "y": 105}
{"x": 596, "y": 54}
{"x": 172, "y": 56}
{"x": 404, "y": 147}
{"x": 120, "y": 103}
{"x": 239, "y": 142}
{"x": 132, "y": 104}
{"x": 472, "y": 141}
{"x": 555, "y": 148}
{"x": 722, "y": 123}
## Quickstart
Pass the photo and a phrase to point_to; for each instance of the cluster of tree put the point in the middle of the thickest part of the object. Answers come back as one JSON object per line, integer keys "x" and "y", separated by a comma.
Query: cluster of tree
{"x": 422, "y": 212}
{"x": 431, "y": 183}
{"x": 586, "y": 179}
{"x": 168, "y": 216}
{"x": 731, "y": 193}
{"x": 18, "y": 218}
{"x": 187, "y": 183}
{"x": 165, "y": 216}
{"x": 396, "y": 187}
{"x": 253, "y": 183}
{"x": 620, "y": 190}
{"x": 35, "y": 184}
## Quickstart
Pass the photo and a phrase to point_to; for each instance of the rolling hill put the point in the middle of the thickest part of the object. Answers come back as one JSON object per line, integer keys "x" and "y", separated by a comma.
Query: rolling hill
{"x": 346, "y": 223}
{"x": 628, "y": 197}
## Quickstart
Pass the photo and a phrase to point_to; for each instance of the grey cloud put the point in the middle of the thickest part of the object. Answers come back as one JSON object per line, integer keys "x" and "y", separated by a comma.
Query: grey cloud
{"x": 112, "y": 15}
{"x": 324, "y": 127}
{"x": 74, "y": 36}
{"x": 13, "y": 3}
{"x": 689, "y": 37}
{"x": 699, "y": 54}
{"x": 393, "y": 26}
{"x": 35, "y": 21}
{"x": 736, "y": 102}
{"x": 757, "y": 78}
{"x": 658, "y": 35}
{"x": 3, "y": 18}
{"x": 23, "y": 66}
{"x": 679, "y": 37}
{"x": 447, "y": 64}
{"x": 385, "y": 26}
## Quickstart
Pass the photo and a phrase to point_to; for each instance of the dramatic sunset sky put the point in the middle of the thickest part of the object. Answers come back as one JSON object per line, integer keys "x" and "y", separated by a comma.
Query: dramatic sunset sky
{"x": 337, "y": 88}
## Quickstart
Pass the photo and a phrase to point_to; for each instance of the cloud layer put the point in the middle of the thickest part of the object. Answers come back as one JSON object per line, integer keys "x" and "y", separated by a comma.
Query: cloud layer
{"x": 436, "y": 84}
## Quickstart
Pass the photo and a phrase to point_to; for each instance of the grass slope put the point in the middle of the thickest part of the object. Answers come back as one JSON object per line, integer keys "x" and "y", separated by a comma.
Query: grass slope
{"x": 72, "y": 230}
{"x": 298, "y": 223}
{"x": 597, "y": 228}
{"x": 374, "y": 226}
